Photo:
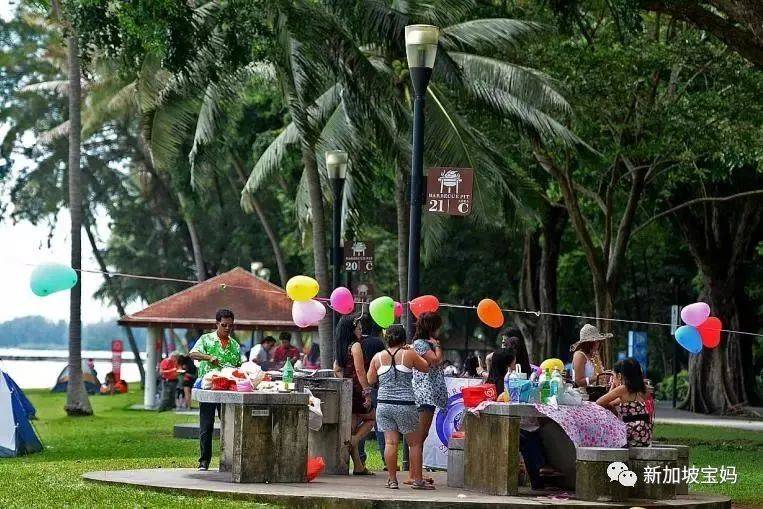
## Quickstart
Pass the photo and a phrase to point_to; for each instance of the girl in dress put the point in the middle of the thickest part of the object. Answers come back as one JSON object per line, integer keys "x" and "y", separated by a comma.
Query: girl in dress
{"x": 628, "y": 397}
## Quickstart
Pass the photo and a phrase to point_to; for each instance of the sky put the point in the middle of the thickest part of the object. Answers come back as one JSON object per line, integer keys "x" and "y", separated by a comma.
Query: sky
{"x": 24, "y": 245}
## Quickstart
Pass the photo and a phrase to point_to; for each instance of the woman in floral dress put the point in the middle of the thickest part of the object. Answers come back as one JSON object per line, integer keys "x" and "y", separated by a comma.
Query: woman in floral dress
{"x": 628, "y": 397}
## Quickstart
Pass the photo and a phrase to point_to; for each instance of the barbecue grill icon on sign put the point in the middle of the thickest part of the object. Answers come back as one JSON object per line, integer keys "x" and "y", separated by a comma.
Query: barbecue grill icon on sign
{"x": 449, "y": 191}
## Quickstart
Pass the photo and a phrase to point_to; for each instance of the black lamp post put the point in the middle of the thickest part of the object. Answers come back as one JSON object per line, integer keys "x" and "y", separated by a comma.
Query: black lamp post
{"x": 336, "y": 167}
{"x": 421, "y": 49}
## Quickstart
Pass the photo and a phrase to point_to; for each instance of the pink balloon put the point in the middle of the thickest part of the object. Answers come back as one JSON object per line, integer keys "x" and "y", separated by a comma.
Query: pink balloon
{"x": 341, "y": 300}
{"x": 398, "y": 310}
{"x": 695, "y": 314}
{"x": 307, "y": 313}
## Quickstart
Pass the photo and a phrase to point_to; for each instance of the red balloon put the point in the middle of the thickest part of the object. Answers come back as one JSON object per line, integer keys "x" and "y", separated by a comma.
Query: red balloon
{"x": 710, "y": 331}
{"x": 424, "y": 304}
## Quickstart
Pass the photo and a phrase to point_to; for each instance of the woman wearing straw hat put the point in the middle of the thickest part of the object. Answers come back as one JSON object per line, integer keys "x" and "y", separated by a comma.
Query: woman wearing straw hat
{"x": 586, "y": 362}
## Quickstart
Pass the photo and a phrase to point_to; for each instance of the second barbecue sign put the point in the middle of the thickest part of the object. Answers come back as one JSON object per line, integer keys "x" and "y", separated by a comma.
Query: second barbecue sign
{"x": 358, "y": 256}
{"x": 449, "y": 191}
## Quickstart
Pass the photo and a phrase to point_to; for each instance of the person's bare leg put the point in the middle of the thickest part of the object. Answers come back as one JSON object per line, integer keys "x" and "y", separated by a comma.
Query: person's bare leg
{"x": 425, "y": 421}
{"x": 363, "y": 430}
{"x": 187, "y": 394}
{"x": 391, "y": 440}
{"x": 415, "y": 458}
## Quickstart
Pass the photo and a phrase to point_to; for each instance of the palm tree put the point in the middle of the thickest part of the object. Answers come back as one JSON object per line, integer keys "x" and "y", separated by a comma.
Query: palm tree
{"x": 77, "y": 401}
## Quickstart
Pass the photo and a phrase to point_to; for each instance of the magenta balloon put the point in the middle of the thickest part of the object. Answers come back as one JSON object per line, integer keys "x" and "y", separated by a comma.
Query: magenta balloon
{"x": 307, "y": 313}
{"x": 695, "y": 314}
{"x": 398, "y": 310}
{"x": 342, "y": 301}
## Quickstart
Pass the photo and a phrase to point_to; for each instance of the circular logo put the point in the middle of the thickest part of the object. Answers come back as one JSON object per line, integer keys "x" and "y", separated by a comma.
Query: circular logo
{"x": 450, "y": 419}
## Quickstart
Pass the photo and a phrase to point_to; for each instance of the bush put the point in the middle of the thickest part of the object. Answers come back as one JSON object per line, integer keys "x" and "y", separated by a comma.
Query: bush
{"x": 664, "y": 389}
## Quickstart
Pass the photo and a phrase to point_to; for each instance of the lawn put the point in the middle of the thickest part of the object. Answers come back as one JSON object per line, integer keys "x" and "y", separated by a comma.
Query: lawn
{"x": 119, "y": 438}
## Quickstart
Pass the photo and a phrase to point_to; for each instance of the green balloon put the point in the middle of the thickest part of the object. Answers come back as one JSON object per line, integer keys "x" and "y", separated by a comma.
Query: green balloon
{"x": 382, "y": 310}
{"x": 51, "y": 278}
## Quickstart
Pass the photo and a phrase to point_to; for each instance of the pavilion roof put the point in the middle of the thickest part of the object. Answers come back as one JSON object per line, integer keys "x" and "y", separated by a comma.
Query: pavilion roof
{"x": 256, "y": 303}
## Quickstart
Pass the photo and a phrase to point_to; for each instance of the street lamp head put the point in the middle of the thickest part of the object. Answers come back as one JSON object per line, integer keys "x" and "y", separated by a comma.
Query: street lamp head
{"x": 421, "y": 45}
{"x": 256, "y": 266}
{"x": 336, "y": 164}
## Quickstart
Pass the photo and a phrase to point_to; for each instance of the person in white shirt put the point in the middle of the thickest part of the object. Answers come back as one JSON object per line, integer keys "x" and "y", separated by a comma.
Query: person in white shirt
{"x": 262, "y": 353}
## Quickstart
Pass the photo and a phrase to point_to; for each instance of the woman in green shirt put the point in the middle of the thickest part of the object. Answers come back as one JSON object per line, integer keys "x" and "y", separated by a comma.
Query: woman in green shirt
{"x": 214, "y": 351}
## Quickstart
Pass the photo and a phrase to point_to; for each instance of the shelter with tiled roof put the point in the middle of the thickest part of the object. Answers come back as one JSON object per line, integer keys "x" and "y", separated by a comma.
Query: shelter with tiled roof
{"x": 257, "y": 304}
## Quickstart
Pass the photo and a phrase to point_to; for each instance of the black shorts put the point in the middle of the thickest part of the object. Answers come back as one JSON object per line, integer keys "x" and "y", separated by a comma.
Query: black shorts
{"x": 189, "y": 383}
{"x": 426, "y": 408}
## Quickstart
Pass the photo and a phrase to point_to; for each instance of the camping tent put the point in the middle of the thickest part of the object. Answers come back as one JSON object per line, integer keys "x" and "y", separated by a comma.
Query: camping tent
{"x": 92, "y": 385}
{"x": 31, "y": 412}
{"x": 17, "y": 436}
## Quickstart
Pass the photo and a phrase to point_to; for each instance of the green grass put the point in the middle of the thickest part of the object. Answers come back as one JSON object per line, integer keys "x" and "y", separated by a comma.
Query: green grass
{"x": 716, "y": 447}
{"x": 117, "y": 438}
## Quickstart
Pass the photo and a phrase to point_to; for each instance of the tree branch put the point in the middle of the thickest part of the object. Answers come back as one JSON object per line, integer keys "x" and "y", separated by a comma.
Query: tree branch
{"x": 689, "y": 203}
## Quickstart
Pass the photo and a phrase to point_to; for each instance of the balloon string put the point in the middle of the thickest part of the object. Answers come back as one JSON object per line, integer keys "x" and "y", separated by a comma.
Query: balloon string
{"x": 442, "y": 304}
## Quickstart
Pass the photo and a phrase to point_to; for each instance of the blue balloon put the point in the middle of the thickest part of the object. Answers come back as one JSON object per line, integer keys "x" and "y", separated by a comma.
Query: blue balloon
{"x": 688, "y": 337}
{"x": 50, "y": 278}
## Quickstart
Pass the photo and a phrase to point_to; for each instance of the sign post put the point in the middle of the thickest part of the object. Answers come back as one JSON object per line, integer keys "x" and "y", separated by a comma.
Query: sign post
{"x": 449, "y": 191}
{"x": 117, "y": 347}
{"x": 359, "y": 256}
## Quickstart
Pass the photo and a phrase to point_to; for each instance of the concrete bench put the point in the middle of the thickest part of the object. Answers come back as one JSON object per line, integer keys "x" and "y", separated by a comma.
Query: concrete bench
{"x": 684, "y": 455}
{"x": 456, "y": 462}
{"x": 592, "y": 482}
{"x": 641, "y": 458}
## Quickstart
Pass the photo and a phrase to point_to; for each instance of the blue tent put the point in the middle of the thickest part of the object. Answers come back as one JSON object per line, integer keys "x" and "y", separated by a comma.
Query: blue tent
{"x": 29, "y": 408}
{"x": 17, "y": 436}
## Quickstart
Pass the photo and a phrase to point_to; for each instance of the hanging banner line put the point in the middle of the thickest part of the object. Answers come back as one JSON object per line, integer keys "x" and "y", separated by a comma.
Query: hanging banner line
{"x": 442, "y": 304}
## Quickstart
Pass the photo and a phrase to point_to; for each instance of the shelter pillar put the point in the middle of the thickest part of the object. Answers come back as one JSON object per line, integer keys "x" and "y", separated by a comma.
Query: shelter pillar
{"x": 154, "y": 335}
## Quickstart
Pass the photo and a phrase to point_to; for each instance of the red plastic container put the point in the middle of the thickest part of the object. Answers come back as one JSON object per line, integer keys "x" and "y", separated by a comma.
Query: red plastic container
{"x": 476, "y": 394}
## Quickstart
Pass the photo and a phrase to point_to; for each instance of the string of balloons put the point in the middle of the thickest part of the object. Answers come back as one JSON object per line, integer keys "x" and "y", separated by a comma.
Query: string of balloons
{"x": 308, "y": 309}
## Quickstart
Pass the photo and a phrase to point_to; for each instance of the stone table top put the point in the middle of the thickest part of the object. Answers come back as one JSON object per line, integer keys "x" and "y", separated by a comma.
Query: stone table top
{"x": 512, "y": 410}
{"x": 250, "y": 398}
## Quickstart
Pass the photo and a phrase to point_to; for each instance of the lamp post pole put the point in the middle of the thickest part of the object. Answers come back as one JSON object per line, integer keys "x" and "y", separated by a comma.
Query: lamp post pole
{"x": 336, "y": 167}
{"x": 421, "y": 49}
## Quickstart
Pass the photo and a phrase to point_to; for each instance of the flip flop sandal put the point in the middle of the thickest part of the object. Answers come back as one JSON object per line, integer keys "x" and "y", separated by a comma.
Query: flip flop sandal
{"x": 421, "y": 485}
{"x": 363, "y": 472}
{"x": 426, "y": 479}
{"x": 392, "y": 485}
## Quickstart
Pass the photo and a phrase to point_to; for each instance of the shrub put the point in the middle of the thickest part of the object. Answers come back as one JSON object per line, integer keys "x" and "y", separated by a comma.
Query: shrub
{"x": 664, "y": 389}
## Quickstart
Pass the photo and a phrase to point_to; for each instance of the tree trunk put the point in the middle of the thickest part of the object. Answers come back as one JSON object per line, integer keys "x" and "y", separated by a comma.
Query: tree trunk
{"x": 720, "y": 239}
{"x": 552, "y": 230}
{"x": 538, "y": 285}
{"x": 198, "y": 254}
{"x": 402, "y": 211}
{"x": 117, "y": 300}
{"x": 277, "y": 251}
{"x": 77, "y": 401}
{"x": 319, "y": 249}
{"x": 528, "y": 293}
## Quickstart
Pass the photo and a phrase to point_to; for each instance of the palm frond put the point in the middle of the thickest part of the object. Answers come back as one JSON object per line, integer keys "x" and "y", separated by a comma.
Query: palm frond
{"x": 58, "y": 87}
{"x": 528, "y": 85}
{"x": 269, "y": 162}
{"x": 489, "y": 35}
{"x": 51, "y": 135}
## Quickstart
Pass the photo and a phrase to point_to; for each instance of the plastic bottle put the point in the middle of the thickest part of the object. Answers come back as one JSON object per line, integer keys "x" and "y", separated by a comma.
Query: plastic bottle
{"x": 557, "y": 383}
{"x": 545, "y": 387}
{"x": 288, "y": 374}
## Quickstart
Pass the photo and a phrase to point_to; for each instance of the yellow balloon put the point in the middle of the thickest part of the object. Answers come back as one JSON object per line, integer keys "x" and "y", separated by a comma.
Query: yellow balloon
{"x": 551, "y": 364}
{"x": 301, "y": 288}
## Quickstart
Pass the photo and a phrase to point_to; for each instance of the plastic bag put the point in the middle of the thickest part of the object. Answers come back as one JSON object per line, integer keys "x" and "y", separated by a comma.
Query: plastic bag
{"x": 253, "y": 372}
{"x": 315, "y": 420}
{"x": 571, "y": 398}
{"x": 314, "y": 467}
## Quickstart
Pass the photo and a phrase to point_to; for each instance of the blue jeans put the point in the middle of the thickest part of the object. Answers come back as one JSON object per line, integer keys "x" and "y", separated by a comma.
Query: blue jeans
{"x": 532, "y": 452}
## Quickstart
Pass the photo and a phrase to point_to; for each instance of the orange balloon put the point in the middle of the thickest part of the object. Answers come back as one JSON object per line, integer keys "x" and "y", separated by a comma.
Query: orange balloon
{"x": 490, "y": 313}
{"x": 424, "y": 304}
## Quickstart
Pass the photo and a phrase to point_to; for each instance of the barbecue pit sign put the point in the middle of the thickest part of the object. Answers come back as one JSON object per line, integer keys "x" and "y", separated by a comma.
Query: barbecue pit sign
{"x": 358, "y": 256}
{"x": 449, "y": 191}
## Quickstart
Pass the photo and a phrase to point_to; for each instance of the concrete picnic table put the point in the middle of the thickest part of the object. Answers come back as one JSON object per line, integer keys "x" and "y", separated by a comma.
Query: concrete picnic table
{"x": 491, "y": 446}
{"x": 263, "y": 435}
